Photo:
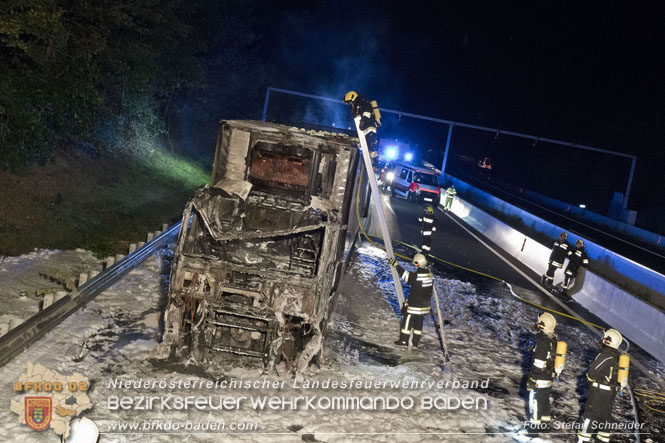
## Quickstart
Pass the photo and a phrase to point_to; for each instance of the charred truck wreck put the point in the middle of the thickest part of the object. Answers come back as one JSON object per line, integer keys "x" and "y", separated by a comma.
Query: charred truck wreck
{"x": 255, "y": 272}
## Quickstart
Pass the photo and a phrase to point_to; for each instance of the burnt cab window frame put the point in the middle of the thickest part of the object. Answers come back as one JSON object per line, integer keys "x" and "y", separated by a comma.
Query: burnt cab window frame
{"x": 295, "y": 150}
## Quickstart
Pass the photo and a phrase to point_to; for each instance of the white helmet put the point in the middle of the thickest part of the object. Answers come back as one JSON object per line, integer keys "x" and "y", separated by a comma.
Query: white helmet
{"x": 612, "y": 338}
{"x": 419, "y": 260}
{"x": 546, "y": 323}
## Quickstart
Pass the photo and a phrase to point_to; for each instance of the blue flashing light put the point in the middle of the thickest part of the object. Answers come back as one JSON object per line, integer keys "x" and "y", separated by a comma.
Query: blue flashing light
{"x": 408, "y": 156}
{"x": 391, "y": 153}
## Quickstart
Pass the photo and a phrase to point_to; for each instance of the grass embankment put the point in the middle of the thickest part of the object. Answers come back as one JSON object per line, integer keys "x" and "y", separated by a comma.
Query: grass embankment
{"x": 94, "y": 202}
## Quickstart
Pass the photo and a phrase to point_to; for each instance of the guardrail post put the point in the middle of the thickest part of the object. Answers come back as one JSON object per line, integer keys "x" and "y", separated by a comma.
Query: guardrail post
{"x": 83, "y": 278}
{"x": 28, "y": 332}
{"x": 110, "y": 261}
{"x": 150, "y": 236}
{"x": 132, "y": 248}
{"x": 48, "y": 301}
{"x": 4, "y": 328}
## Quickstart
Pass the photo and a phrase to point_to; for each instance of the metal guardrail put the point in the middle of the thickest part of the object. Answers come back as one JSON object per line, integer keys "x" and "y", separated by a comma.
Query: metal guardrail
{"x": 34, "y": 328}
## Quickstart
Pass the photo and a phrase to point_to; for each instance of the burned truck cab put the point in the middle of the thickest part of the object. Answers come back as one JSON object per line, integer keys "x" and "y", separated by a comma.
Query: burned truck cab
{"x": 260, "y": 250}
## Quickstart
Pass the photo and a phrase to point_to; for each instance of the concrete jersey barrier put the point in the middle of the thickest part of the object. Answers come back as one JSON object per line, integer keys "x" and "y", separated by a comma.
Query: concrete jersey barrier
{"x": 638, "y": 321}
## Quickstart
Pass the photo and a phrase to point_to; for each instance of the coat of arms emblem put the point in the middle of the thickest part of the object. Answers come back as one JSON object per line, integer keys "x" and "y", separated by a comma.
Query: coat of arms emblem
{"x": 38, "y": 412}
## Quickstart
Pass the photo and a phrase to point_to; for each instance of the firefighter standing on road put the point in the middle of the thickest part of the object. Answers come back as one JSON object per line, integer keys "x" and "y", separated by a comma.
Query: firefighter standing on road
{"x": 370, "y": 118}
{"x": 451, "y": 192}
{"x": 418, "y": 303}
{"x": 603, "y": 386}
{"x": 427, "y": 230}
{"x": 558, "y": 255}
{"x": 576, "y": 258}
{"x": 539, "y": 383}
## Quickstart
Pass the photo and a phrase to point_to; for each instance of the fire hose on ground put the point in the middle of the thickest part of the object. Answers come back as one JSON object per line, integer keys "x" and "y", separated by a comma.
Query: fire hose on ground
{"x": 652, "y": 400}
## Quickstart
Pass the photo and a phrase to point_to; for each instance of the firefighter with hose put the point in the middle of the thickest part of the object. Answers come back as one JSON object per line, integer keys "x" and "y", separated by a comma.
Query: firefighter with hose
{"x": 418, "y": 304}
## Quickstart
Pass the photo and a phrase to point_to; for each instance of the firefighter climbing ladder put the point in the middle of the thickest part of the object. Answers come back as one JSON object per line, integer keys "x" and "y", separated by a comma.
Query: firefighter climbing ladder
{"x": 376, "y": 196}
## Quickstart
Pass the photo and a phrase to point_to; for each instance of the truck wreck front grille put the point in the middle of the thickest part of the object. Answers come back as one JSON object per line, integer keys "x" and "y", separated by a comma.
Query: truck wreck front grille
{"x": 234, "y": 325}
{"x": 236, "y": 329}
{"x": 240, "y": 352}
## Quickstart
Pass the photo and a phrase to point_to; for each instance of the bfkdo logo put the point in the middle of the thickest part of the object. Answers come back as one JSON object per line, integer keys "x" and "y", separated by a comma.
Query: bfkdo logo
{"x": 38, "y": 412}
{"x": 45, "y": 399}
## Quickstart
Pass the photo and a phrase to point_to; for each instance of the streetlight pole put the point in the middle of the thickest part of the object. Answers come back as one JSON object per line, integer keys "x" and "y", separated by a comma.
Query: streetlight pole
{"x": 445, "y": 154}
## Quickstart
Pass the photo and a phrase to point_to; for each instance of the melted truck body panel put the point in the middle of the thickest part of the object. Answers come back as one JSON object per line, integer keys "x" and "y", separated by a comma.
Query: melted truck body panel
{"x": 255, "y": 271}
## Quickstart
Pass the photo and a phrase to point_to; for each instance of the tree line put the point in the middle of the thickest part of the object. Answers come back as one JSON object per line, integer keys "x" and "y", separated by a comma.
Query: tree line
{"x": 114, "y": 74}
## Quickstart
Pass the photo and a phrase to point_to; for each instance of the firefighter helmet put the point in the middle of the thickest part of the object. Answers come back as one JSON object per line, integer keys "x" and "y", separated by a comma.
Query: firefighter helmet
{"x": 546, "y": 323}
{"x": 350, "y": 96}
{"x": 419, "y": 260}
{"x": 429, "y": 210}
{"x": 579, "y": 243}
{"x": 563, "y": 236}
{"x": 612, "y": 338}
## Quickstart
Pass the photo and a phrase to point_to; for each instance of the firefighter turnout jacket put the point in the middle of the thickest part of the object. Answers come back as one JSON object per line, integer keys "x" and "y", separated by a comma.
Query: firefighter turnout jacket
{"x": 427, "y": 230}
{"x": 542, "y": 367}
{"x": 539, "y": 384}
{"x": 361, "y": 107}
{"x": 602, "y": 373}
{"x": 576, "y": 258}
{"x": 420, "y": 293}
{"x": 559, "y": 253}
{"x": 428, "y": 224}
{"x": 603, "y": 386}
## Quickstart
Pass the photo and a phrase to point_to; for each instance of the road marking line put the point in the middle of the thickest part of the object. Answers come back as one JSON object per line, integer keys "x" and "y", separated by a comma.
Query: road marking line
{"x": 390, "y": 208}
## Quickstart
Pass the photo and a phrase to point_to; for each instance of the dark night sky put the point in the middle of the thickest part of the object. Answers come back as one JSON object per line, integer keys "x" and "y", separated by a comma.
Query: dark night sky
{"x": 587, "y": 72}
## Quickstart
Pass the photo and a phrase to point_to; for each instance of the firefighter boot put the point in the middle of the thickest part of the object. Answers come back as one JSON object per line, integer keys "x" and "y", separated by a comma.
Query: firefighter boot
{"x": 416, "y": 338}
{"x": 403, "y": 339}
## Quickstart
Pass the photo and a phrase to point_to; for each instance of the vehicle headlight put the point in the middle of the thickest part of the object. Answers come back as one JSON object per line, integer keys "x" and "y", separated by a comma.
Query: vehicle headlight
{"x": 390, "y": 176}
